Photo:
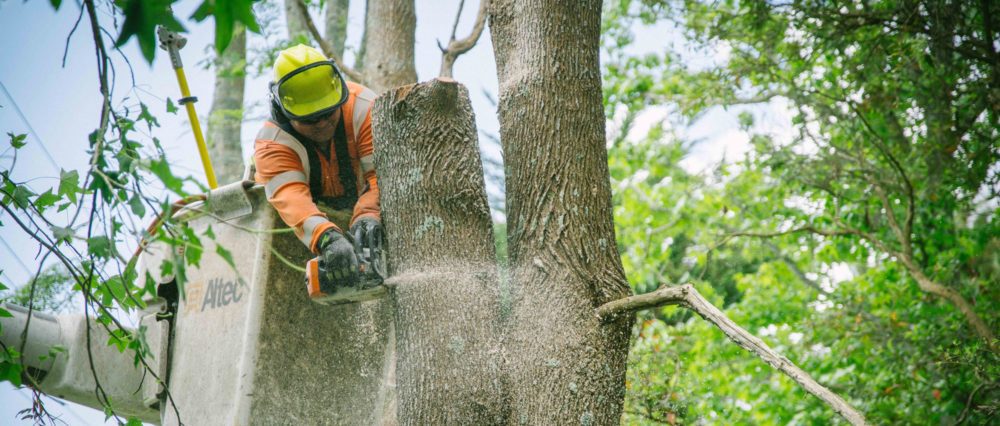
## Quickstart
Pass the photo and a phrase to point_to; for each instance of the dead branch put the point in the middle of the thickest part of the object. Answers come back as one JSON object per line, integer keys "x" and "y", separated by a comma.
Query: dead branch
{"x": 688, "y": 297}
{"x": 325, "y": 46}
{"x": 457, "y": 47}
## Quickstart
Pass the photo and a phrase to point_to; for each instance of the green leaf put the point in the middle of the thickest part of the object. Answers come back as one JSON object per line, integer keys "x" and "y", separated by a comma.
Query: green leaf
{"x": 141, "y": 19}
{"x": 227, "y": 13}
{"x": 47, "y": 199}
{"x": 144, "y": 115}
{"x": 69, "y": 184}
{"x": 11, "y": 371}
{"x": 209, "y": 232}
{"x": 192, "y": 247}
{"x": 171, "y": 108}
{"x": 161, "y": 169}
{"x": 225, "y": 254}
{"x": 4, "y": 313}
{"x": 117, "y": 289}
{"x": 62, "y": 234}
{"x": 100, "y": 247}
{"x": 17, "y": 141}
{"x": 21, "y": 196}
{"x": 137, "y": 205}
{"x": 55, "y": 4}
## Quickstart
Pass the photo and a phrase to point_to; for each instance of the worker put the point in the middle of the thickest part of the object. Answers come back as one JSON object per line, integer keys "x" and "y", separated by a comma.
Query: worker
{"x": 315, "y": 159}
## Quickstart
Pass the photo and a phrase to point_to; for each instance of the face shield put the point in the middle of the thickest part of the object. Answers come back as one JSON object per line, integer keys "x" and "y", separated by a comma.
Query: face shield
{"x": 311, "y": 92}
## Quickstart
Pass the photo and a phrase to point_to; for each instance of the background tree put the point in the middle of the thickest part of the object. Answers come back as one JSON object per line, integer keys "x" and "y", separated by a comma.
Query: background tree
{"x": 865, "y": 185}
{"x": 388, "y": 44}
{"x": 225, "y": 119}
{"x": 336, "y": 24}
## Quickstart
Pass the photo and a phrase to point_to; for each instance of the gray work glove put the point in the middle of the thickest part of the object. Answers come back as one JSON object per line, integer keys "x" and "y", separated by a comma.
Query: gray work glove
{"x": 337, "y": 257}
{"x": 367, "y": 233}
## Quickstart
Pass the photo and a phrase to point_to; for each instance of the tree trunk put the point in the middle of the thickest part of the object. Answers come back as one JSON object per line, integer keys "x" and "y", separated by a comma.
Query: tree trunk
{"x": 336, "y": 24}
{"x": 389, "y": 39}
{"x": 442, "y": 257}
{"x": 359, "y": 59}
{"x": 293, "y": 21}
{"x": 226, "y": 116}
{"x": 565, "y": 366}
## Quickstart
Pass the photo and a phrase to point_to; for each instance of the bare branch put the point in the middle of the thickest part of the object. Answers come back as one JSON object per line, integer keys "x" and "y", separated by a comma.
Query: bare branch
{"x": 884, "y": 150}
{"x": 325, "y": 45}
{"x": 458, "y": 47}
{"x": 454, "y": 27}
{"x": 688, "y": 297}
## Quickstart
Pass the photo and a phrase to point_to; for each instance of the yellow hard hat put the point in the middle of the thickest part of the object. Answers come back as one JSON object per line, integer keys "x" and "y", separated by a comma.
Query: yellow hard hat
{"x": 306, "y": 85}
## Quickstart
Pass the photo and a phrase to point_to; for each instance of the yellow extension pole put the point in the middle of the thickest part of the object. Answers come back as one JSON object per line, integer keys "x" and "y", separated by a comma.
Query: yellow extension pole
{"x": 172, "y": 43}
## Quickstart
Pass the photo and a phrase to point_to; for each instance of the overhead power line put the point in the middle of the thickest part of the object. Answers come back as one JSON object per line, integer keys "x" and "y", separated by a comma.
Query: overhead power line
{"x": 17, "y": 109}
{"x": 17, "y": 257}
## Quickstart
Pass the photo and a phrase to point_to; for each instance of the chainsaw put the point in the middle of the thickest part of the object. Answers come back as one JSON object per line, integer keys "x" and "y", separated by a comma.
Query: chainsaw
{"x": 365, "y": 285}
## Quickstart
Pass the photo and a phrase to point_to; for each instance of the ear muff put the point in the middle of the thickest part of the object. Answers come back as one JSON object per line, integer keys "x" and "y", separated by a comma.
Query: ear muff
{"x": 277, "y": 115}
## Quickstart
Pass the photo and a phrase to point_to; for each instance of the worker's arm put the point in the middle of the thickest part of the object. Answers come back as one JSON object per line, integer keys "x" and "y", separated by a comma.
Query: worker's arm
{"x": 280, "y": 170}
{"x": 368, "y": 204}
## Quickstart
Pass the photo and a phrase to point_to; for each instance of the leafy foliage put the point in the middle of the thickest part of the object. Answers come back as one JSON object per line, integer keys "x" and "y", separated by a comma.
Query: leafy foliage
{"x": 888, "y": 179}
{"x": 89, "y": 219}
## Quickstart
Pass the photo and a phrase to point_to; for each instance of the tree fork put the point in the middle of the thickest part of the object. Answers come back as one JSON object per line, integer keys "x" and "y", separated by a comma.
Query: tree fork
{"x": 687, "y": 296}
{"x": 442, "y": 261}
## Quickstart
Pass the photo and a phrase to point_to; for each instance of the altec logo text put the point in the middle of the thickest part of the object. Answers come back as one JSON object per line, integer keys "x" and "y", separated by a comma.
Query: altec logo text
{"x": 221, "y": 293}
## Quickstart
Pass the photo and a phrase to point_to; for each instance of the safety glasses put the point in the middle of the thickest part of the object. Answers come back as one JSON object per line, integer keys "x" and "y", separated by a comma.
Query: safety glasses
{"x": 310, "y": 93}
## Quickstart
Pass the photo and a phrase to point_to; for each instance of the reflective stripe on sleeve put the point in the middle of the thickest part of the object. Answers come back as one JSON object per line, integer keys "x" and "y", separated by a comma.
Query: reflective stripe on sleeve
{"x": 283, "y": 138}
{"x": 276, "y": 182}
{"x": 367, "y": 163}
{"x": 268, "y": 133}
{"x": 308, "y": 227}
{"x": 362, "y": 103}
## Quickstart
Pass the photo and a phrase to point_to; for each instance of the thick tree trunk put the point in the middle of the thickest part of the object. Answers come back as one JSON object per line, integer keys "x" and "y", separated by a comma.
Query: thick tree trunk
{"x": 389, "y": 39}
{"x": 226, "y": 116}
{"x": 565, "y": 366}
{"x": 442, "y": 258}
{"x": 336, "y": 24}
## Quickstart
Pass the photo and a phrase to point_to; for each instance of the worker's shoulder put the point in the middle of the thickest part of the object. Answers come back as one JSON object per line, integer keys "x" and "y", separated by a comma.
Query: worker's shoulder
{"x": 271, "y": 135}
{"x": 361, "y": 92}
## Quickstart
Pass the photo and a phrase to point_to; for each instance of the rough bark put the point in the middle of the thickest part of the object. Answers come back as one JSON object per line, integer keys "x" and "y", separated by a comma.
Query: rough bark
{"x": 226, "y": 116}
{"x": 390, "y": 27}
{"x": 442, "y": 258}
{"x": 294, "y": 21}
{"x": 336, "y": 24}
{"x": 566, "y": 367}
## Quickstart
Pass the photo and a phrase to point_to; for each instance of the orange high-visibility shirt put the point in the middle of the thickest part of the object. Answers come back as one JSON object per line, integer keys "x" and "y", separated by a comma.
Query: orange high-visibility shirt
{"x": 282, "y": 165}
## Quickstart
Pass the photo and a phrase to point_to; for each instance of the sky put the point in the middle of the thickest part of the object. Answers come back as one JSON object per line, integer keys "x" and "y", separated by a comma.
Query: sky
{"x": 57, "y": 106}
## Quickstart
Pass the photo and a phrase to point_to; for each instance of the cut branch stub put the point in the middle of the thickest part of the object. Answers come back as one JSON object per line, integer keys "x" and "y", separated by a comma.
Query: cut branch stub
{"x": 444, "y": 282}
{"x": 431, "y": 179}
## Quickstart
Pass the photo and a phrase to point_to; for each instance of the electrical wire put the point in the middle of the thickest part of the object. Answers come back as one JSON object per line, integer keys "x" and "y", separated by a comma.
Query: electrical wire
{"x": 31, "y": 129}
